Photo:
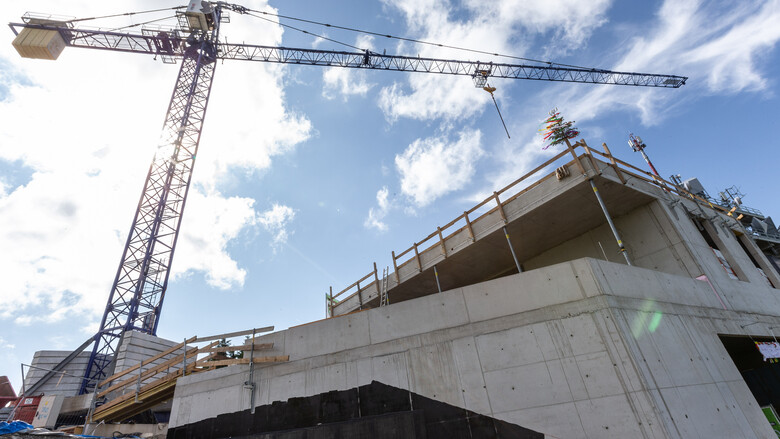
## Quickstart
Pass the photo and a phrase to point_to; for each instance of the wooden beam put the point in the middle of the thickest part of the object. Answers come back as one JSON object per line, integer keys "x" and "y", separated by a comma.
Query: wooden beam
{"x": 134, "y": 379}
{"x": 234, "y": 334}
{"x": 441, "y": 241}
{"x": 395, "y": 266}
{"x": 468, "y": 225}
{"x": 417, "y": 257}
{"x": 500, "y": 208}
{"x": 148, "y": 361}
{"x": 590, "y": 156}
{"x": 215, "y": 363}
{"x": 154, "y": 370}
{"x": 376, "y": 282}
{"x": 614, "y": 163}
{"x": 574, "y": 154}
{"x": 243, "y": 347}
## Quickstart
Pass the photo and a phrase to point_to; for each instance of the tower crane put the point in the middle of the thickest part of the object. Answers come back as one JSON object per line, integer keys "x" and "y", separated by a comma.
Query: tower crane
{"x": 141, "y": 280}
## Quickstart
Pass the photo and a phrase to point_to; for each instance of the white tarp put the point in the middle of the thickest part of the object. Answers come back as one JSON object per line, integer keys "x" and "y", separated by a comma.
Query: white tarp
{"x": 769, "y": 349}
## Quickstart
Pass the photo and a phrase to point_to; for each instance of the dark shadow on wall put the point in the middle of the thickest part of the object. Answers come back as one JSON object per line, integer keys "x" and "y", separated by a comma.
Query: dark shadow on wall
{"x": 374, "y": 411}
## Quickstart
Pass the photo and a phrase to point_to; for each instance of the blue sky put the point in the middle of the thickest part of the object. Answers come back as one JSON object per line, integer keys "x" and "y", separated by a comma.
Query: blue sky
{"x": 306, "y": 176}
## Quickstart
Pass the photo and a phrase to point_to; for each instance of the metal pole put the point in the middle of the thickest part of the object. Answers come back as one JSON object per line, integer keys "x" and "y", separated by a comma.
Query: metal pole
{"x": 329, "y": 310}
{"x": 436, "y": 274}
{"x": 22, "y": 367}
{"x": 138, "y": 383}
{"x": 649, "y": 163}
{"x": 251, "y": 383}
{"x": 184, "y": 359}
{"x": 511, "y": 249}
{"x": 609, "y": 221}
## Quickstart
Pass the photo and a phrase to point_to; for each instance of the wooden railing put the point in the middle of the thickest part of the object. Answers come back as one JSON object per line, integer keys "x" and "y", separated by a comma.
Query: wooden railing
{"x": 437, "y": 238}
{"x": 146, "y": 381}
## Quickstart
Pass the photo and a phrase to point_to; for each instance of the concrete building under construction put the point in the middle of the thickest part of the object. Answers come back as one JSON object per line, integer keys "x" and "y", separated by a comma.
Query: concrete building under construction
{"x": 593, "y": 301}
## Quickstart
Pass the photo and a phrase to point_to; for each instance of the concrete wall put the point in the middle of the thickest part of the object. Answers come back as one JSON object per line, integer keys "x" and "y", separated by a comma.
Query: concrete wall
{"x": 66, "y": 383}
{"x": 137, "y": 347}
{"x": 650, "y": 237}
{"x": 572, "y": 350}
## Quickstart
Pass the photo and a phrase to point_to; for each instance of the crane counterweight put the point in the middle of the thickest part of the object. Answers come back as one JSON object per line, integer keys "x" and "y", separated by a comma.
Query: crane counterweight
{"x": 40, "y": 43}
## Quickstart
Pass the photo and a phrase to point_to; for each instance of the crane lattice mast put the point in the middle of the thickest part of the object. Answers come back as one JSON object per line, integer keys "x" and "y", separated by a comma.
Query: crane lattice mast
{"x": 139, "y": 287}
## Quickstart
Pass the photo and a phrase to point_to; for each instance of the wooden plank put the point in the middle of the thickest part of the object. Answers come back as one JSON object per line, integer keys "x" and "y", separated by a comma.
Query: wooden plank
{"x": 395, "y": 266}
{"x": 150, "y": 360}
{"x": 468, "y": 224}
{"x": 590, "y": 155}
{"x": 151, "y": 372}
{"x": 441, "y": 241}
{"x": 235, "y": 334}
{"x": 376, "y": 282}
{"x": 500, "y": 208}
{"x": 151, "y": 387}
{"x": 417, "y": 255}
{"x": 243, "y": 347}
{"x": 574, "y": 154}
{"x": 155, "y": 370}
{"x": 614, "y": 163}
{"x": 275, "y": 359}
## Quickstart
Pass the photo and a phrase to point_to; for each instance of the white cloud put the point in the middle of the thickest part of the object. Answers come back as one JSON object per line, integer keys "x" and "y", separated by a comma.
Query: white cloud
{"x": 224, "y": 218}
{"x": 714, "y": 44}
{"x": 5, "y": 345}
{"x": 86, "y": 127}
{"x": 493, "y": 25}
{"x": 348, "y": 82}
{"x": 433, "y": 167}
{"x": 730, "y": 57}
{"x": 276, "y": 222}
{"x": 376, "y": 215}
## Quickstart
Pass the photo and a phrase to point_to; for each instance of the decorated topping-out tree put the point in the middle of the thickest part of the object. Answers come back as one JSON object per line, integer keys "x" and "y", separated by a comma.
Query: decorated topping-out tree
{"x": 555, "y": 130}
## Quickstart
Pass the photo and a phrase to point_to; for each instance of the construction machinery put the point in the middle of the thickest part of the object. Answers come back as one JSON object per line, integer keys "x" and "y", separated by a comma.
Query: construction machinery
{"x": 140, "y": 283}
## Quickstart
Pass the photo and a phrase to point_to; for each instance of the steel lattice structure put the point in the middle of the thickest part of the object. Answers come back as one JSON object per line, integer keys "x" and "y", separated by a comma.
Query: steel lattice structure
{"x": 170, "y": 44}
{"x": 139, "y": 287}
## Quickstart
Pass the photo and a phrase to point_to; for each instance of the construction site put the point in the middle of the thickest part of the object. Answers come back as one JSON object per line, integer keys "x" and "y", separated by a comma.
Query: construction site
{"x": 589, "y": 298}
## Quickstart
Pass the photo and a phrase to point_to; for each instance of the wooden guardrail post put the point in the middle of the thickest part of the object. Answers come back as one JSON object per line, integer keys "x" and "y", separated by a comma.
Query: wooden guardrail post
{"x": 614, "y": 163}
{"x": 592, "y": 161}
{"x": 441, "y": 241}
{"x": 500, "y": 208}
{"x": 395, "y": 266}
{"x": 574, "y": 154}
{"x": 376, "y": 282}
{"x": 468, "y": 225}
{"x": 417, "y": 256}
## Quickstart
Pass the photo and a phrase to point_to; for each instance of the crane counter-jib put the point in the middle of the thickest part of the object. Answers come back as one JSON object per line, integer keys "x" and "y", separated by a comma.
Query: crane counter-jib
{"x": 171, "y": 44}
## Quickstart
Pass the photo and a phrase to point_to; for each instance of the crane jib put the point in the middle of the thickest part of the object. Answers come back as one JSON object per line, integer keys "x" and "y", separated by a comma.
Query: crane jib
{"x": 141, "y": 280}
{"x": 171, "y": 45}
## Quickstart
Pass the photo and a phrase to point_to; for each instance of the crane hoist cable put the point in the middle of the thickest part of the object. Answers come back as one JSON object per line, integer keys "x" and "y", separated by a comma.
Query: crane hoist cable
{"x": 490, "y": 90}
{"x": 144, "y": 23}
{"x": 413, "y": 40}
{"x": 124, "y": 14}
{"x": 304, "y": 31}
